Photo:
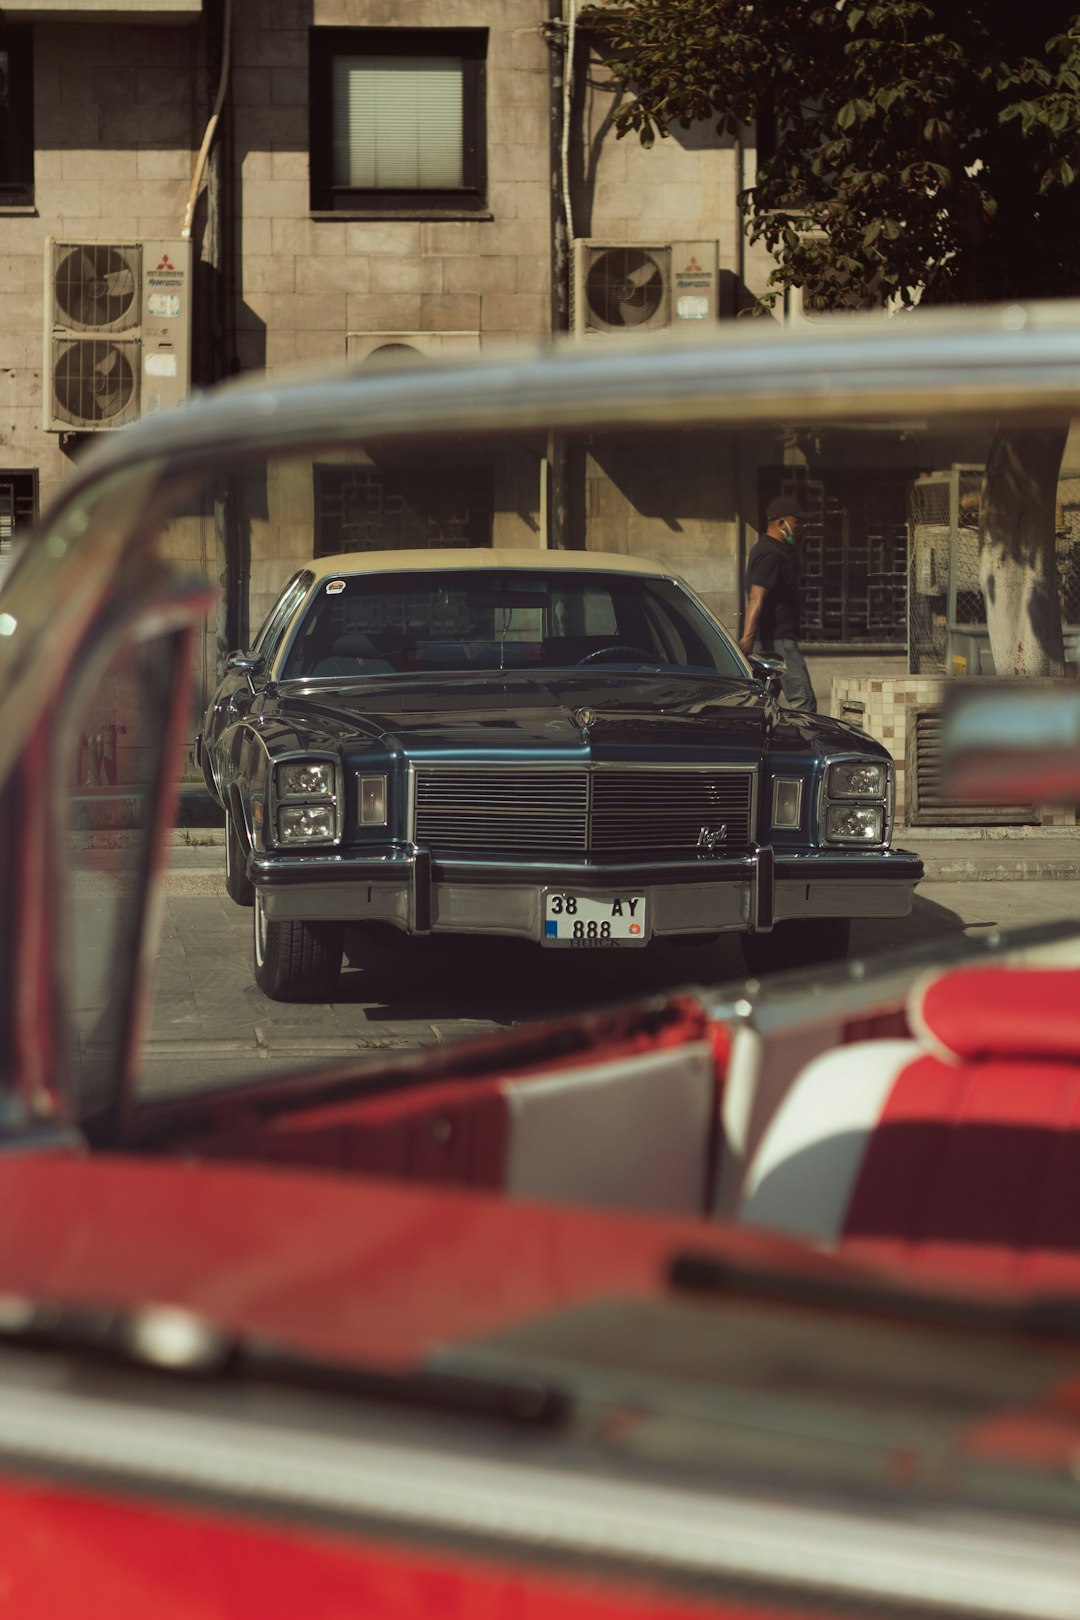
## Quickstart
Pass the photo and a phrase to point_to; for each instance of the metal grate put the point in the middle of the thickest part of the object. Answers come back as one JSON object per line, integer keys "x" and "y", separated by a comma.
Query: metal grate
{"x": 578, "y": 811}
{"x": 18, "y": 505}
{"x": 928, "y": 803}
{"x": 432, "y": 504}
{"x": 928, "y": 582}
{"x": 853, "y": 557}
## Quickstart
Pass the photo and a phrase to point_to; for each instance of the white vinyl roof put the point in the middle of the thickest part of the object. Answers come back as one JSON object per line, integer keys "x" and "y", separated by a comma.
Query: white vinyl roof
{"x": 456, "y": 558}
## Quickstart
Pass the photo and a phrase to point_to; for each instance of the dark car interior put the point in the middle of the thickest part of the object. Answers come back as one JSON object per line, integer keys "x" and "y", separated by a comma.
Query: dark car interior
{"x": 361, "y": 626}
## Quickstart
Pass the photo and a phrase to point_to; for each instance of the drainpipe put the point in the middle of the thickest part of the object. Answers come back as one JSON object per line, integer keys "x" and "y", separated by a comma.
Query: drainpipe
{"x": 567, "y": 111}
{"x": 217, "y": 311}
{"x": 212, "y": 124}
{"x": 560, "y": 34}
{"x": 735, "y": 453}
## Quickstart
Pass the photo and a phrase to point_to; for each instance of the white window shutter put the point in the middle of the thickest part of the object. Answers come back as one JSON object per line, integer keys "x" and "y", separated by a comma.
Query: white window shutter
{"x": 398, "y": 122}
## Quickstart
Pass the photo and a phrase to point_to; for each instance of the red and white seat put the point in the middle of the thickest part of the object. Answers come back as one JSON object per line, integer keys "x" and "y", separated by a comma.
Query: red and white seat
{"x": 957, "y": 1147}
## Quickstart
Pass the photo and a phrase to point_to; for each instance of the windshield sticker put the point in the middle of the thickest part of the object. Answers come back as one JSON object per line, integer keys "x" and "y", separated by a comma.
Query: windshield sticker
{"x": 334, "y": 587}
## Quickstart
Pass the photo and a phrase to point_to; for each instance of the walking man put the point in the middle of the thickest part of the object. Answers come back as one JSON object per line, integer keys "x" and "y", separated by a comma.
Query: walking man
{"x": 772, "y": 618}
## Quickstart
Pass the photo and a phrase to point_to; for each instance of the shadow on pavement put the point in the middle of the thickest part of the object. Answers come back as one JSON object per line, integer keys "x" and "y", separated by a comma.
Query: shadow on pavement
{"x": 508, "y": 980}
{"x": 512, "y": 980}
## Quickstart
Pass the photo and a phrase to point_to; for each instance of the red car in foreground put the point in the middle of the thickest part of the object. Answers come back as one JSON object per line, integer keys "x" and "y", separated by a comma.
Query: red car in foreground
{"x": 761, "y": 1299}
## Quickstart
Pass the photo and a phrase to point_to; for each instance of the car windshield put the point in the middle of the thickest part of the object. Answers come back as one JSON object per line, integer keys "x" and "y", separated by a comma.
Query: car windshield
{"x": 489, "y": 619}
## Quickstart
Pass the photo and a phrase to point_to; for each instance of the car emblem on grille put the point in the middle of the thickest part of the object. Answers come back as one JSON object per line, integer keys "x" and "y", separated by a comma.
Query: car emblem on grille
{"x": 585, "y": 718}
{"x": 709, "y": 837}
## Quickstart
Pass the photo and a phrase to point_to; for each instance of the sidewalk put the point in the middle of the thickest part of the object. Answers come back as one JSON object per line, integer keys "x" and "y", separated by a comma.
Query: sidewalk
{"x": 994, "y": 854}
{"x": 949, "y": 854}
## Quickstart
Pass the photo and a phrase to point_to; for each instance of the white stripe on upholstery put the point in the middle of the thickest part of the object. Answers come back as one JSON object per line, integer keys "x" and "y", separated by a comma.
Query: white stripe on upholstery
{"x": 761, "y": 1070}
{"x": 803, "y": 1174}
{"x": 634, "y": 1134}
{"x": 740, "y": 1084}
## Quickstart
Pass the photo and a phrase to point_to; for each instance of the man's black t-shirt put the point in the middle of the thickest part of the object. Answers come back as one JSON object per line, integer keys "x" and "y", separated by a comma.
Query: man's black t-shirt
{"x": 772, "y": 565}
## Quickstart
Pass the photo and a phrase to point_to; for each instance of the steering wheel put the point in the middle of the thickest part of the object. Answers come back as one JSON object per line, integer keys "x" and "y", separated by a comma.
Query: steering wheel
{"x": 617, "y": 650}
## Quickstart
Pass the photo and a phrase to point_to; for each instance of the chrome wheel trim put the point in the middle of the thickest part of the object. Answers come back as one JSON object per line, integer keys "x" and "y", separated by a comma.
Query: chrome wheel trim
{"x": 259, "y": 916}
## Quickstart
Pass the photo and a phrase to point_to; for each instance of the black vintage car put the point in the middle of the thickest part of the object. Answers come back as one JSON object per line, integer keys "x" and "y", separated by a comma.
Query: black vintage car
{"x": 560, "y": 747}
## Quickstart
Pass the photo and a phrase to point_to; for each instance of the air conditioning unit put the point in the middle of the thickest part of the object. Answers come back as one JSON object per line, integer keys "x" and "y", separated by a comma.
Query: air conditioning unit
{"x": 117, "y": 332}
{"x": 797, "y": 314}
{"x": 395, "y": 348}
{"x": 642, "y": 287}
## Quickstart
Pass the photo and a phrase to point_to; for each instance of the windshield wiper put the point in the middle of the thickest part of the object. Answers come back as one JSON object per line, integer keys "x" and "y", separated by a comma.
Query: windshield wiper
{"x": 171, "y": 1340}
{"x": 1044, "y": 1315}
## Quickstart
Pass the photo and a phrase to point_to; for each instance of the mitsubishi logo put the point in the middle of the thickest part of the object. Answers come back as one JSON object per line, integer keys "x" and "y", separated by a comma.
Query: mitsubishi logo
{"x": 709, "y": 837}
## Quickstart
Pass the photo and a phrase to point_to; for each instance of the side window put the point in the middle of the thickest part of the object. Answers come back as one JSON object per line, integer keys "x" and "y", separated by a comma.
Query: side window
{"x": 282, "y": 612}
{"x": 16, "y": 116}
{"x": 398, "y": 119}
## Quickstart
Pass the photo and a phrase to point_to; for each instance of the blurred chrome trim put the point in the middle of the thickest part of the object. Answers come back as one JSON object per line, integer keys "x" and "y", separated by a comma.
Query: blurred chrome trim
{"x": 989, "y": 1563}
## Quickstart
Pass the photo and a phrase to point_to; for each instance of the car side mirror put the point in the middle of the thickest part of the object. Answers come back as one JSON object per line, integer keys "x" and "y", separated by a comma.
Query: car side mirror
{"x": 244, "y": 664}
{"x": 768, "y": 670}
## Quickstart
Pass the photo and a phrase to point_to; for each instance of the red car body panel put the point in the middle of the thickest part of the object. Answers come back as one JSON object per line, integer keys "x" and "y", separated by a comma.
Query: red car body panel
{"x": 66, "y": 1553}
{"x": 341, "y": 1268}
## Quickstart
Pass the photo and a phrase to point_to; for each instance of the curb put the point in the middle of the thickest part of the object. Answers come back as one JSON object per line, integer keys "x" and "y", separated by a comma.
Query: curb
{"x": 945, "y": 869}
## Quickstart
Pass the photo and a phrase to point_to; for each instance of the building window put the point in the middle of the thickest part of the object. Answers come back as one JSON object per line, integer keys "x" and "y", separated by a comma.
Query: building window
{"x": 16, "y": 116}
{"x": 397, "y": 119}
{"x": 396, "y": 506}
{"x": 18, "y": 506}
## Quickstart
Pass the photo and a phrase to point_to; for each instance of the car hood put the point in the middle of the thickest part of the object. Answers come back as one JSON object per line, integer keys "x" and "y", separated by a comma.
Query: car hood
{"x": 553, "y": 711}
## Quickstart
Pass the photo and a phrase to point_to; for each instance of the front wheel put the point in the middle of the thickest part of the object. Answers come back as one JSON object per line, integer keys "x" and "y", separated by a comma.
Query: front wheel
{"x": 799, "y": 944}
{"x": 296, "y": 961}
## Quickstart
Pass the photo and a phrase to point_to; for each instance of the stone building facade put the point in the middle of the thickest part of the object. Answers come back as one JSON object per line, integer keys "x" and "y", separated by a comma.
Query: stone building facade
{"x": 293, "y": 263}
{"x": 285, "y": 244}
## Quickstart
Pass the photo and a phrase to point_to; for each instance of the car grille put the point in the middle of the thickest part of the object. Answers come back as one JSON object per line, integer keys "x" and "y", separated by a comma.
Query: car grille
{"x": 488, "y": 809}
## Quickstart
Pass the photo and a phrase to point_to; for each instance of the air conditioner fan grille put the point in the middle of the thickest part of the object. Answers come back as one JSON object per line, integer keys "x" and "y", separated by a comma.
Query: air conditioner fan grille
{"x": 95, "y": 382}
{"x": 96, "y": 285}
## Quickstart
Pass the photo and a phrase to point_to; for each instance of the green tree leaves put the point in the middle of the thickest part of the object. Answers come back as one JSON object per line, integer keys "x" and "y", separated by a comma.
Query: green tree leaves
{"x": 918, "y": 143}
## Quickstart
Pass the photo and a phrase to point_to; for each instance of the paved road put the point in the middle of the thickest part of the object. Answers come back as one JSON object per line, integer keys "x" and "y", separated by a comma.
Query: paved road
{"x": 210, "y": 1022}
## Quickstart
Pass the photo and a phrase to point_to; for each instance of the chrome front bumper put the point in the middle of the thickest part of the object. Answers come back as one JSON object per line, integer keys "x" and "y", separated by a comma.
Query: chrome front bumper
{"x": 406, "y": 890}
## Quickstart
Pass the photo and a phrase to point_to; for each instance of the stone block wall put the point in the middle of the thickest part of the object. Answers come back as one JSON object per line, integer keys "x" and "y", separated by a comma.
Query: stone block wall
{"x": 309, "y": 281}
{"x": 115, "y": 120}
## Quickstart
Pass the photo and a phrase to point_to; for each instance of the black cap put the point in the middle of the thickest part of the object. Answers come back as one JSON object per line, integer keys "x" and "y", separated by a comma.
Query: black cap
{"x": 782, "y": 506}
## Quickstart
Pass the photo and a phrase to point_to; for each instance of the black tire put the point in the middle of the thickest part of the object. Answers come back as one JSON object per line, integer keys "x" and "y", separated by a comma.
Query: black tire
{"x": 798, "y": 945}
{"x": 296, "y": 961}
{"x": 238, "y": 886}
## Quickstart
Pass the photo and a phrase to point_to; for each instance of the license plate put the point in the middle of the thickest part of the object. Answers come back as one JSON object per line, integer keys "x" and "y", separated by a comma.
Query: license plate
{"x": 588, "y": 920}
